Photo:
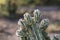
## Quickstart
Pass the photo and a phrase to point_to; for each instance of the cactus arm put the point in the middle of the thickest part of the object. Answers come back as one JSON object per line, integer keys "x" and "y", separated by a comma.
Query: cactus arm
{"x": 37, "y": 15}
{"x": 43, "y": 25}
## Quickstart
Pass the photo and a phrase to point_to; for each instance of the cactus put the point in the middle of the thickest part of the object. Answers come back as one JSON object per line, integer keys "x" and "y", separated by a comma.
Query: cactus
{"x": 31, "y": 28}
{"x": 56, "y": 37}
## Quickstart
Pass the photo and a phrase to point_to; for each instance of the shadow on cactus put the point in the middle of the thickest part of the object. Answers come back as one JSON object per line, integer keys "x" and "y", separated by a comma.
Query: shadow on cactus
{"x": 30, "y": 28}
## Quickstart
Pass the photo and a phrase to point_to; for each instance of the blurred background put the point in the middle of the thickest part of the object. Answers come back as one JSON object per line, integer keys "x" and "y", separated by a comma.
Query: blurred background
{"x": 12, "y": 10}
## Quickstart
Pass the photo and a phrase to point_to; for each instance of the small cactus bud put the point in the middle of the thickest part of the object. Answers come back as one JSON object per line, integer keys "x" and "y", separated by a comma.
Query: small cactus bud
{"x": 27, "y": 18}
{"x": 19, "y": 22}
{"x": 17, "y": 33}
{"x": 44, "y": 23}
{"x": 37, "y": 15}
{"x": 22, "y": 24}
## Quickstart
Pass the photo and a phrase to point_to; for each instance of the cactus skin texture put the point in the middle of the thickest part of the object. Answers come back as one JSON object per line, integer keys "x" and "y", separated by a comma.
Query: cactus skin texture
{"x": 30, "y": 28}
{"x": 56, "y": 37}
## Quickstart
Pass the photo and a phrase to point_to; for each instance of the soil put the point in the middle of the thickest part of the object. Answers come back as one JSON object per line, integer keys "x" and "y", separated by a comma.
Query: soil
{"x": 8, "y": 29}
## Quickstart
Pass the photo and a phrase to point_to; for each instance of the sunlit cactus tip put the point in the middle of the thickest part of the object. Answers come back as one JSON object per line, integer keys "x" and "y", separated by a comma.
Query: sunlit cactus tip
{"x": 37, "y": 15}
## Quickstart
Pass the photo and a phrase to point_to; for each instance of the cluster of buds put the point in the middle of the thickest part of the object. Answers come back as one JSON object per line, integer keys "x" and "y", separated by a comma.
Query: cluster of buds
{"x": 31, "y": 28}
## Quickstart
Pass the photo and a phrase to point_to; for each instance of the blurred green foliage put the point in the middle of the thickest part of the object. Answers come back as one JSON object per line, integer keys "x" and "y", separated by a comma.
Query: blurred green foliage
{"x": 35, "y": 2}
{"x": 38, "y": 2}
{"x": 5, "y": 7}
{"x": 12, "y": 8}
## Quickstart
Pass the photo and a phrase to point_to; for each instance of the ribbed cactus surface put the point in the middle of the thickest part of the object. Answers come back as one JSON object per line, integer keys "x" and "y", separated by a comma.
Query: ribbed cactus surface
{"x": 31, "y": 28}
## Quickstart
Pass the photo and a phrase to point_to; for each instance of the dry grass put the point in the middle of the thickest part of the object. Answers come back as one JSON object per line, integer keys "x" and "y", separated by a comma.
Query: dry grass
{"x": 53, "y": 28}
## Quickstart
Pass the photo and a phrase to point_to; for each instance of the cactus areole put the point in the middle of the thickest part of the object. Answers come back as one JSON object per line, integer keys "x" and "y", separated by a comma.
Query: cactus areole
{"x": 31, "y": 28}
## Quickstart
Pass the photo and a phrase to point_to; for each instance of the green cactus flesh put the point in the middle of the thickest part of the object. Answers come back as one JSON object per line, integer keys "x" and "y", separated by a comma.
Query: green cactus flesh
{"x": 31, "y": 28}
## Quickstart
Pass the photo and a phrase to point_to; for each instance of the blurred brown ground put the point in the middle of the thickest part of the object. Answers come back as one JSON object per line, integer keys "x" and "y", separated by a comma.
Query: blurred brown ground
{"x": 8, "y": 29}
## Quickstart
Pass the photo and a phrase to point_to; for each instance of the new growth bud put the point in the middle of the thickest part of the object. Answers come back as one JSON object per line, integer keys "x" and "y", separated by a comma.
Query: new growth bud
{"x": 17, "y": 33}
{"x": 22, "y": 24}
{"x": 44, "y": 23}
{"x": 27, "y": 18}
{"x": 37, "y": 15}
